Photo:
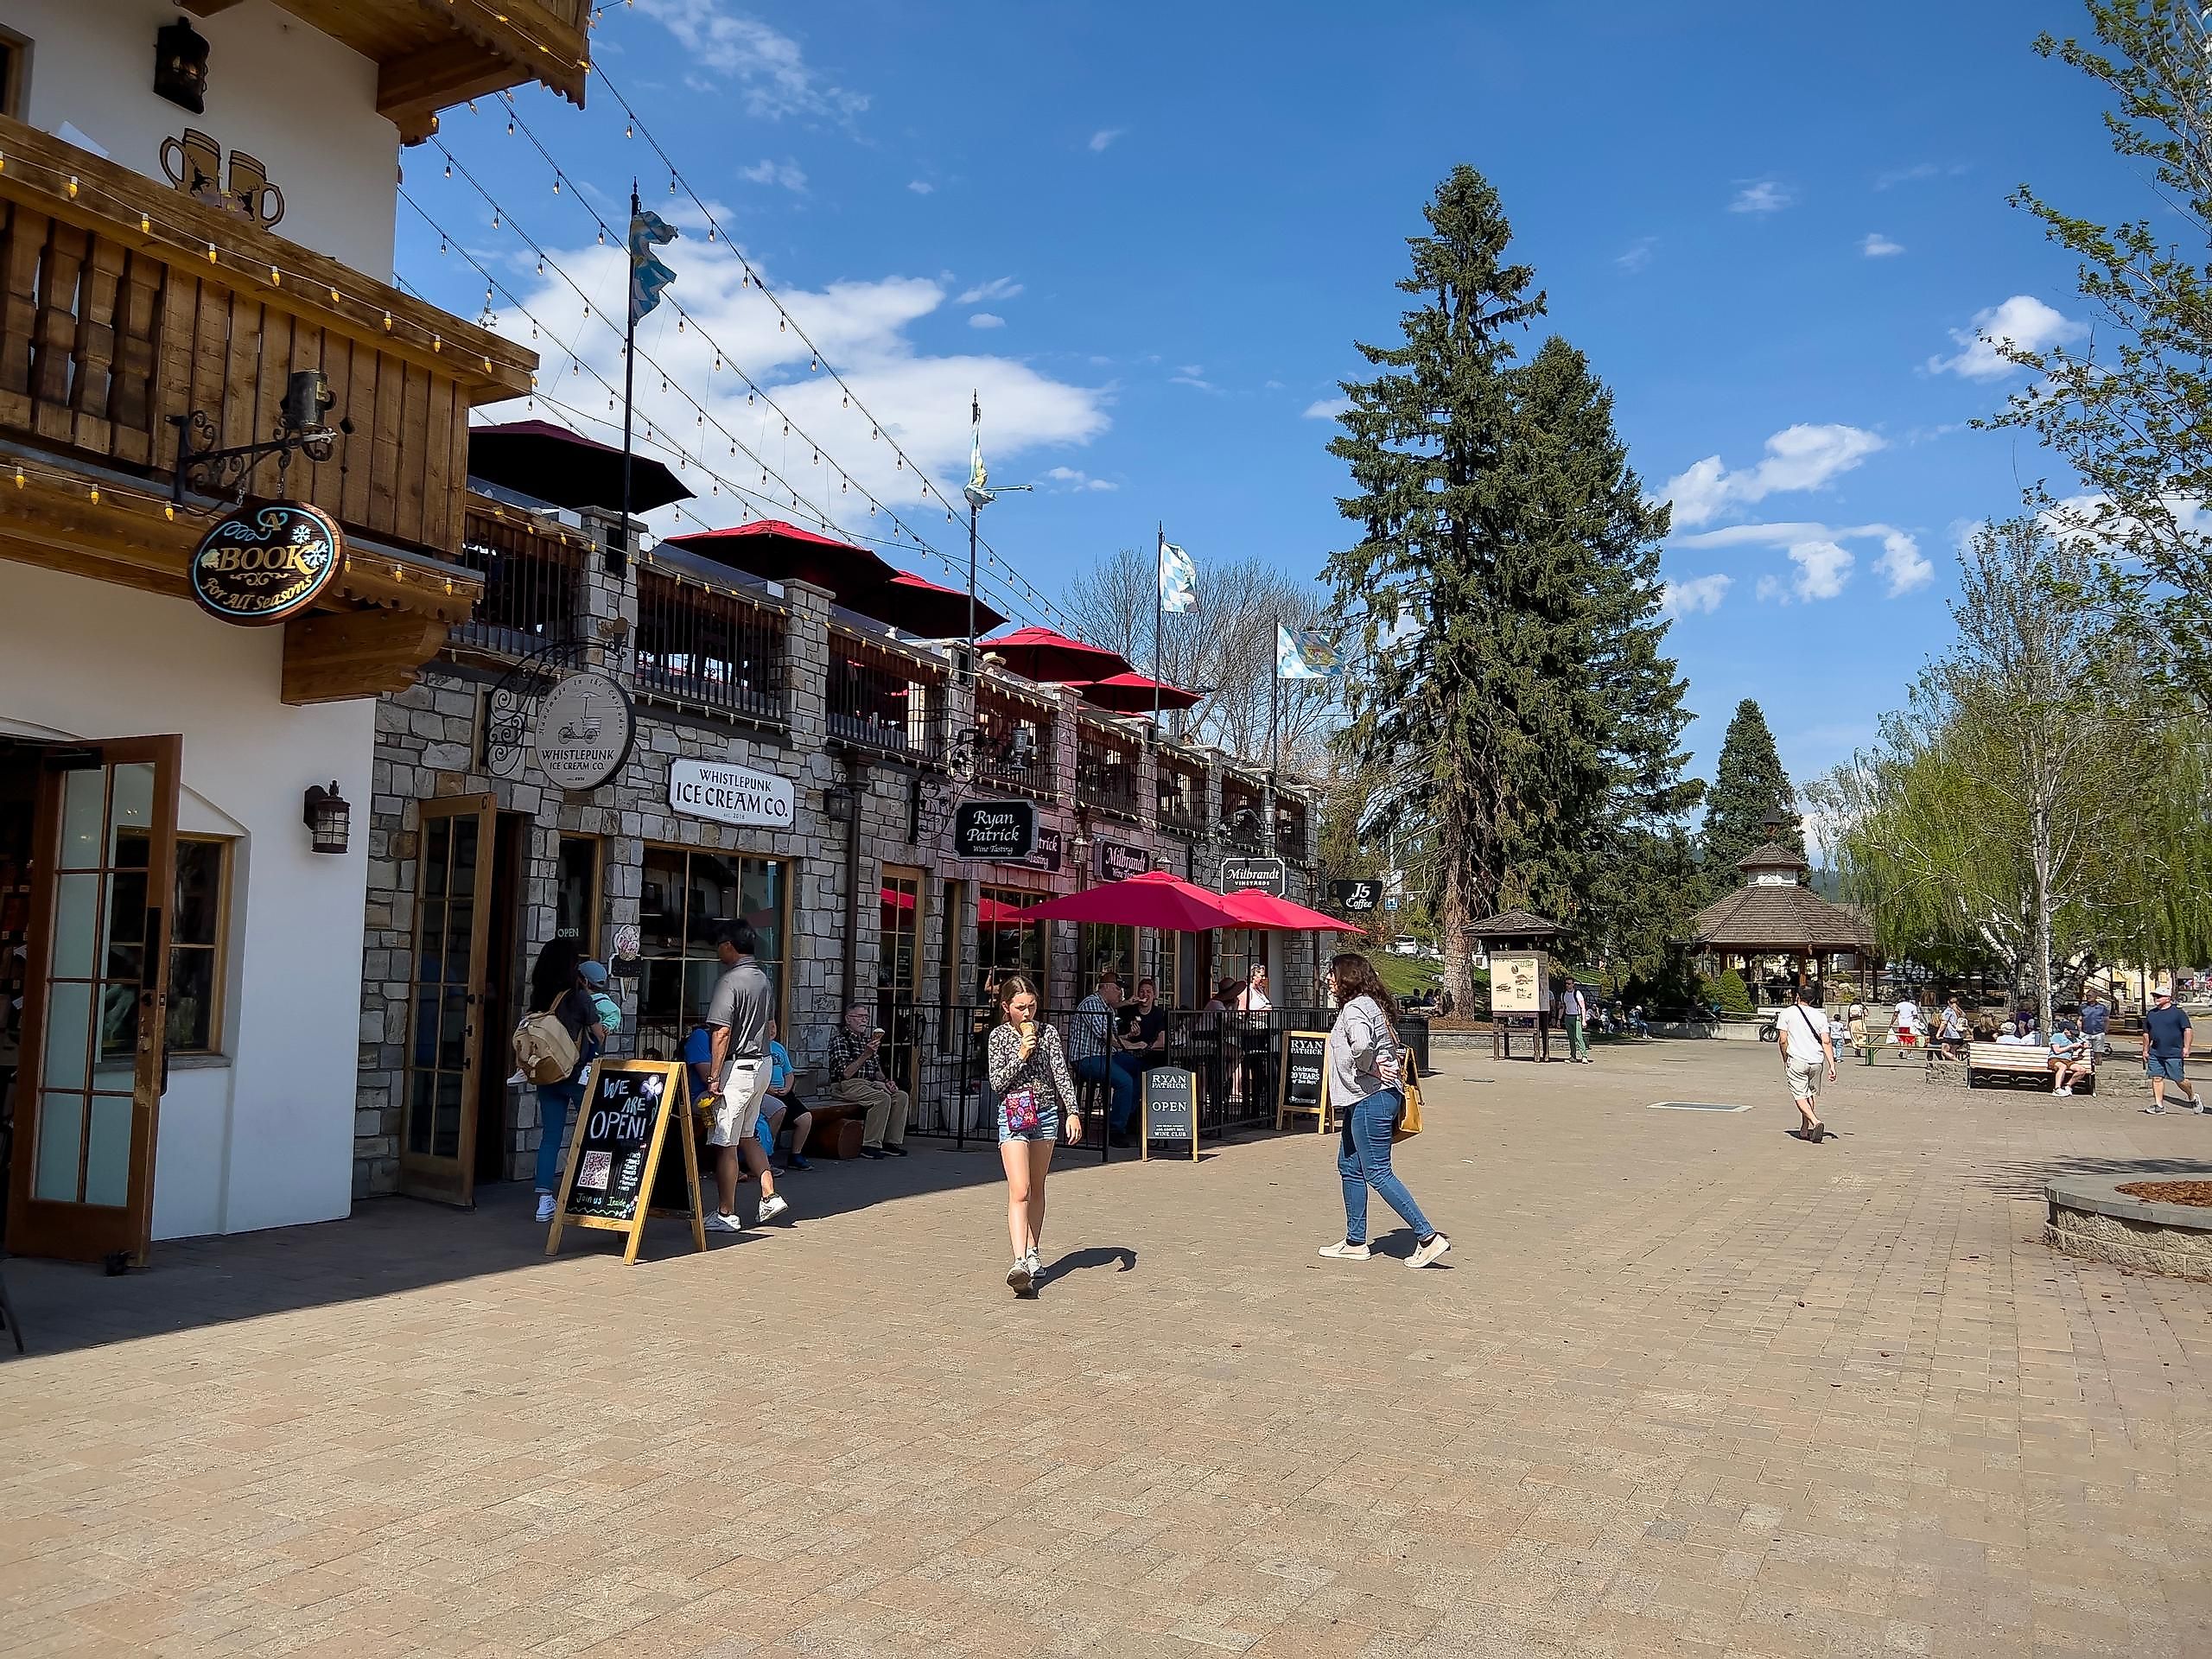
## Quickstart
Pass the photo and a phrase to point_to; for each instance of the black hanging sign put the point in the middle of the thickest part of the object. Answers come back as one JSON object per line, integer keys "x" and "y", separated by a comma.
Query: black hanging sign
{"x": 1353, "y": 897}
{"x": 262, "y": 564}
{"x": 1267, "y": 875}
{"x": 1305, "y": 1086}
{"x": 1000, "y": 831}
{"x": 629, "y": 1110}
{"x": 1170, "y": 1108}
{"x": 1118, "y": 861}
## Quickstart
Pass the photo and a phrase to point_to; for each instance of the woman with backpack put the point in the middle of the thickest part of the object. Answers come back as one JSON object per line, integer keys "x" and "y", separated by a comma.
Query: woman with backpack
{"x": 557, "y": 988}
{"x": 1366, "y": 1070}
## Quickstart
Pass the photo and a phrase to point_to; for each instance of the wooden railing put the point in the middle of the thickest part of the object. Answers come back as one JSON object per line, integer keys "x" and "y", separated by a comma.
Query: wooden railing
{"x": 126, "y": 306}
{"x": 533, "y": 576}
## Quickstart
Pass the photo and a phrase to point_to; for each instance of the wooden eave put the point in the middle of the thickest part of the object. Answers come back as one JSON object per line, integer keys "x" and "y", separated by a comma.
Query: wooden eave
{"x": 144, "y": 215}
{"x": 433, "y": 53}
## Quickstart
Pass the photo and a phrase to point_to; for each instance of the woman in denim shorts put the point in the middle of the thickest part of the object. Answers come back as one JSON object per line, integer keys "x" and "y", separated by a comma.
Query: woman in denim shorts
{"x": 1029, "y": 1076}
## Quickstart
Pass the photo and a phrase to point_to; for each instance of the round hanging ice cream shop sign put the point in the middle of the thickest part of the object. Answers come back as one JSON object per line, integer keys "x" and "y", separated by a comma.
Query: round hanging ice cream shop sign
{"x": 585, "y": 728}
{"x": 263, "y": 564}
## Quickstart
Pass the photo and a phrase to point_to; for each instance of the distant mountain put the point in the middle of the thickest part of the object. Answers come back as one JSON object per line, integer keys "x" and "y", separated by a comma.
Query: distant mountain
{"x": 1829, "y": 885}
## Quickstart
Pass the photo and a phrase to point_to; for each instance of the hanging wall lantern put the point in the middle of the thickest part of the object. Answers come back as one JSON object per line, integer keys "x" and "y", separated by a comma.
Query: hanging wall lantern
{"x": 328, "y": 817}
{"x": 181, "y": 66}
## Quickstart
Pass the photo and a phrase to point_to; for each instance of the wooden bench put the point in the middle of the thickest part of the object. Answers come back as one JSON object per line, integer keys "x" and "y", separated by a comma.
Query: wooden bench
{"x": 2015, "y": 1064}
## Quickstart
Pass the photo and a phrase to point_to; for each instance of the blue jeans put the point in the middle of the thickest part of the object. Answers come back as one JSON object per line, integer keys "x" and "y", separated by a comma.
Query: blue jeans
{"x": 555, "y": 1101}
{"x": 1122, "y": 1088}
{"x": 1364, "y": 1161}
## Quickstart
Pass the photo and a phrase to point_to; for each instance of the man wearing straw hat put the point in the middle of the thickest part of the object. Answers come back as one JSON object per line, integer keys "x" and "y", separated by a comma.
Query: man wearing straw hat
{"x": 2165, "y": 1049}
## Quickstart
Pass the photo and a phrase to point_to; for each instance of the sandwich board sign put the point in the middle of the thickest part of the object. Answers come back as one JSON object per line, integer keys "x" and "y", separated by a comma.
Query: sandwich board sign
{"x": 1171, "y": 1109}
{"x": 1305, "y": 1073}
{"x": 629, "y": 1111}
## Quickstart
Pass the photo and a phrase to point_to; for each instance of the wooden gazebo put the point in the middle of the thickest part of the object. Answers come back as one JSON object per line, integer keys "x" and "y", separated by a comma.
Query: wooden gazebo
{"x": 1774, "y": 915}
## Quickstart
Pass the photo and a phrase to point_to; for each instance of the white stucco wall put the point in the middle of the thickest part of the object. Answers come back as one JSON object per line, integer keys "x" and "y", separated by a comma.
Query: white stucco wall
{"x": 286, "y": 93}
{"x": 266, "y": 1140}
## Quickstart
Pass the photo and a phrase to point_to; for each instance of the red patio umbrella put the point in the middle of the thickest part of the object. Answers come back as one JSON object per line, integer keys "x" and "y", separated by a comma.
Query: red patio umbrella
{"x": 1041, "y": 654}
{"x": 1152, "y": 899}
{"x": 1258, "y": 909}
{"x": 776, "y": 552}
{"x": 1132, "y": 694}
{"x": 908, "y": 602}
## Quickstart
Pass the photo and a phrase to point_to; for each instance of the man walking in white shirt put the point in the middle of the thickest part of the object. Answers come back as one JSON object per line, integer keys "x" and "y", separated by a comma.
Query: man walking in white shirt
{"x": 1802, "y": 1036}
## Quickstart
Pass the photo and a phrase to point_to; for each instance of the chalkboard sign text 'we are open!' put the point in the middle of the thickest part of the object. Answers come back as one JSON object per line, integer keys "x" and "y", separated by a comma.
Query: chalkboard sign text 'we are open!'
{"x": 629, "y": 1110}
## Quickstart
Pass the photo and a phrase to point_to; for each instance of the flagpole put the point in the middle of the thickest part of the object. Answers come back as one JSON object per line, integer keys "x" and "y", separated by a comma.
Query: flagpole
{"x": 976, "y": 434}
{"x": 1159, "y": 610}
{"x": 629, "y": 378}
{"x": 1274, "y": 709}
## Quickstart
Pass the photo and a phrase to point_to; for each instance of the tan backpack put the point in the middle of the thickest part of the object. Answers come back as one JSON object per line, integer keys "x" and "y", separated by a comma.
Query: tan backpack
{"x": 544, "y": 1052}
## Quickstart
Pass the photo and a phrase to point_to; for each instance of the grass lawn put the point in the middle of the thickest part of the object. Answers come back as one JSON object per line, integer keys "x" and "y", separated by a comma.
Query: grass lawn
{"x": 1404, "y": 977}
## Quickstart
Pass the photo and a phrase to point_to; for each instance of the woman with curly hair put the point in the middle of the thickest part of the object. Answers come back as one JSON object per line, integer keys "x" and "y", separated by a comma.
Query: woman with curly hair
{"x": 1366, "y": 1066}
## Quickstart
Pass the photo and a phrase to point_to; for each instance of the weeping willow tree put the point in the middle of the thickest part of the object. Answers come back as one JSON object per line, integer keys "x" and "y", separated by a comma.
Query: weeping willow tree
{"x": 2039, "y": 801}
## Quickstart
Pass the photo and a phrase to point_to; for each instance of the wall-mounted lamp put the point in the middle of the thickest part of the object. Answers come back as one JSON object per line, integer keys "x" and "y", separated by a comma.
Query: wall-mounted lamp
{"x": 181, "y": 66}
{"x": 328, "y": 817}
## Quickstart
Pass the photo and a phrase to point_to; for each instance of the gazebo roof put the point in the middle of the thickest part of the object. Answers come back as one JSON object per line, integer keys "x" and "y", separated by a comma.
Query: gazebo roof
{"x": 1778, "y": 918}
{"x": 1514, "y": 925}
{"x": 1771, "y": 856}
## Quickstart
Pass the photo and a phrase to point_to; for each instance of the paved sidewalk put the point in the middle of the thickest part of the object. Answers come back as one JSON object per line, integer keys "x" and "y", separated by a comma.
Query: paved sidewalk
{"x": 1684, "y": 1386}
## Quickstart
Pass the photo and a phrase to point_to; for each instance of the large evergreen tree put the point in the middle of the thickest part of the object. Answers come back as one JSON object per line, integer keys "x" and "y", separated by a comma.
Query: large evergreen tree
{"x": 1511, "y": 686}
{"x": 1748, "y": 786}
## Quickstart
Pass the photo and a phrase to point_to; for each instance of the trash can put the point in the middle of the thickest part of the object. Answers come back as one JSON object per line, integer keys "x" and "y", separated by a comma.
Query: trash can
{"x": 1413, "y": 1029}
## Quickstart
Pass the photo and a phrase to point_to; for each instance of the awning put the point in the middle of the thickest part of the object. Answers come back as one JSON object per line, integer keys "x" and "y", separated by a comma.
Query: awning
{"x": 562, "y": 468}
{"x": 1259, "y": 908}
{"x": 1132, "y": 694}
{"x": 776, "y": 552}
{"x": 923, "y": 609}
{"x": 1152, "y": 899}
{"x": 1041, "y": 654}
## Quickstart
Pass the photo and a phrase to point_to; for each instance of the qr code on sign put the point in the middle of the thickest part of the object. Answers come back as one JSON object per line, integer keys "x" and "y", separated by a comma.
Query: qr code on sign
{"x": 594, "y": 1174}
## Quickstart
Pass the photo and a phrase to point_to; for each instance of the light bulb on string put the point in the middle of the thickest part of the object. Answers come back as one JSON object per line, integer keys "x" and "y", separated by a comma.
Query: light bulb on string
{"x": 449, "y": 166}
{"x": 602, "y": 235}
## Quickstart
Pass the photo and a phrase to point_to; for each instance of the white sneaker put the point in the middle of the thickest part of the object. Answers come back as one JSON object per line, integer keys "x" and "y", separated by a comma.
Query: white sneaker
{"x": 1344, "y": 1250}
{"x": 2153, "y": 1109}
{"x": 772, "y": 1207}
{"x": 545, "y": 1206}
{"x": 721, "y": 1224}
{"x": 2061, "y": 1093}
{"x": 1019, "y": 1276}
{"x": 1036, "y": 1265}
{"x": 1425, "y": 1254}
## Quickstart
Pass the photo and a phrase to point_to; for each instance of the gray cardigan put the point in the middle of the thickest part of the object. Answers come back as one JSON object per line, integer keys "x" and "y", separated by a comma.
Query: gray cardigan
{"x": 1364, "y": 1056}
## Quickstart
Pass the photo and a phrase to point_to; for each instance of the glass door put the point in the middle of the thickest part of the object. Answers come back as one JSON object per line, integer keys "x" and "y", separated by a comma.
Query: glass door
{"x": 452, "y": 914}
{"x": 97, "y": 1007}
{"x": 899, "y": 969}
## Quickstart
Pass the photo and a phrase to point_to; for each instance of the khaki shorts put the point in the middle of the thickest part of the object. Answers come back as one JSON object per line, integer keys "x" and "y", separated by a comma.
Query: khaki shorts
{"x": 1805, "y": 1080}
{"x": 737, "y": 1109}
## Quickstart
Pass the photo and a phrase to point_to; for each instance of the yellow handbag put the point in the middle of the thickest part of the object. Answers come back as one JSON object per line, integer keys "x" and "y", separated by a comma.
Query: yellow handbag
{"x": 1408, "y": 1122}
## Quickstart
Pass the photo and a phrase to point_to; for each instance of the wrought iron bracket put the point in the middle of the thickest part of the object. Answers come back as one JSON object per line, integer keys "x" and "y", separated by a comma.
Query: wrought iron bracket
{"x": 224, "y": 472}
{"x": 513, "y": 699}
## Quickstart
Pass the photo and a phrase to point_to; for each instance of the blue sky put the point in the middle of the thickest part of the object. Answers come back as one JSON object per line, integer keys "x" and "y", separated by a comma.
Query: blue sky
{"x": 1150, "y": 234}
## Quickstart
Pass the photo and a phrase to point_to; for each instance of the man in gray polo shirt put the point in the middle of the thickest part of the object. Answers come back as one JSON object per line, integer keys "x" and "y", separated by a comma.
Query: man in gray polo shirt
{"x": 737, "y": 1021}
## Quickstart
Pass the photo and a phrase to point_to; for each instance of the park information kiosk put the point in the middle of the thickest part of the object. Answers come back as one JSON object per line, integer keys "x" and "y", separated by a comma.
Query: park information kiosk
{"x": 630, "y": 1107}
{"x": 1170, "y": 1110}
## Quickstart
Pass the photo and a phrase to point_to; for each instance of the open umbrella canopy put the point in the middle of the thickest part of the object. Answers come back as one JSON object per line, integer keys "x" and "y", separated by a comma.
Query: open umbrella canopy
{"x": 1258, "y": 909}
{"x": 1041, "y": 654}
{"x": 776, "y": 552}
{"x": 920, "y": 608}
{"x": 1152, "y": 899}
{"x": 1132, "y": 694}
{"x": 551, "y": 464}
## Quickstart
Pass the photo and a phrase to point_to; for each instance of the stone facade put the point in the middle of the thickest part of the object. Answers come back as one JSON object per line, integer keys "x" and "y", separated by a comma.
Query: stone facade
{"x": 430, "y": 747}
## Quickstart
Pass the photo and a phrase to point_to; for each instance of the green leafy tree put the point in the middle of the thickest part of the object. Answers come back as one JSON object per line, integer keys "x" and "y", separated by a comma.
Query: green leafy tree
{"x": 1511, "y": 698}
{"x": 2129, "y": 405}
{"x": 1749, "y": 786}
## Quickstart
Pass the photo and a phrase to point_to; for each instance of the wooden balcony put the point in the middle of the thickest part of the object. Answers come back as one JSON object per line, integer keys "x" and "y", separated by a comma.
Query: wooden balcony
{"x": 429, "y": 57}
{"x": 124, "y": 304}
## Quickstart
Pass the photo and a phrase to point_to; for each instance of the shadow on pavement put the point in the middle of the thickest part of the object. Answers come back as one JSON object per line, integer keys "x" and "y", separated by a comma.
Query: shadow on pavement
{"x": 2024, "y": 1179}
{"x": 1118, "y": 1257}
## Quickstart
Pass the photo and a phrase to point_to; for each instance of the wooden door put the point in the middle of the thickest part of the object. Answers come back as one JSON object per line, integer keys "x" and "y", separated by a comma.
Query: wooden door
{"x": 96, "y": 1011}
{"x": 447, "y": 1038}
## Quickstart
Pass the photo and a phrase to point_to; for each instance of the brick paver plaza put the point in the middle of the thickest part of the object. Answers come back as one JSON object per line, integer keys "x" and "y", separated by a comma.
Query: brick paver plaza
{"x": 1683, "y": 1386}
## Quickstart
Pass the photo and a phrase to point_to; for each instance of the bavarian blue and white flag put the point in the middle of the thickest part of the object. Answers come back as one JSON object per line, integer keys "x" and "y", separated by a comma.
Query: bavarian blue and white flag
{"x": 1306, "y": 655}
{"x": 648, "y": 276}
{"x": 1179, "y": 577}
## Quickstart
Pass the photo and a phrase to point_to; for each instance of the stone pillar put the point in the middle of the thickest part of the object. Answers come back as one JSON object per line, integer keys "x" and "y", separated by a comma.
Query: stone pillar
{"x": 1062, "y": 776}
{"x": 1148, "y": 788}
{"x": 816, "y": 950}
{"x": 1209, "y": 819}
{"x": 606, "y": 607}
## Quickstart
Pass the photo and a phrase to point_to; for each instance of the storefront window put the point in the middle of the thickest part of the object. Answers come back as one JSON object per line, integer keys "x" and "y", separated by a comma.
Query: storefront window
{"x": 1006, "y": 941}
{"x": 899, "y": 967}
{"x": 688, "y": 898}
{"x": 1237, "y": 951}
{"x": 576, "y": 892}
{"x": 196, "y": 946}
{"x": 1102, "y": 946}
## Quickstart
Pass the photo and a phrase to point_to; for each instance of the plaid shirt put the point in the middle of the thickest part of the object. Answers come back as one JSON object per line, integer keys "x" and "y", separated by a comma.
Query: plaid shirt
{"x": 845, "y": 1047}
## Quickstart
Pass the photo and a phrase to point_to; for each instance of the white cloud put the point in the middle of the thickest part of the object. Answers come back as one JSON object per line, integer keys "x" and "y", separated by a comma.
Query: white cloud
{"x": 1192, "y": 374}
{"x": 785, "y": 174}
{"x": 1069, "y": 477}
{"x": 1694, "y": 593}
{"x": 1801, "y": 457}
{"x": 1327, "y": 408}
{"x": 1104, "y": 137}
{"x": 1771, "y": 588}
{"x": 920, "y": 186}
{"x": 2023, "y": 322}
{"x": 1638, "y": 255}
{"x": 998, "y": 288}
{"x": 1762, "y": 196}
{"x": 769, "y": 67}
{"x": 1878, "y": 246}
{"x": 1903, "y": 563}
{"x": 1915, "y": 173}
{"x": 1823, "y": 569}
{"x": 864, "y": 326}
{"x": 985, "y": 320}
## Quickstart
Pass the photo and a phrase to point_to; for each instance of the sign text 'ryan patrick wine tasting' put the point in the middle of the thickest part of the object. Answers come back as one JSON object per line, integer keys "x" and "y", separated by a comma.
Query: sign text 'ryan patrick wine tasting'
{"x": 730, "y": 794}
{"x": 262, "y": 565}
